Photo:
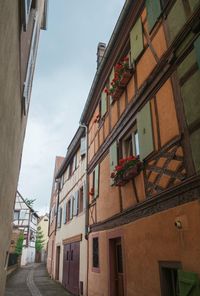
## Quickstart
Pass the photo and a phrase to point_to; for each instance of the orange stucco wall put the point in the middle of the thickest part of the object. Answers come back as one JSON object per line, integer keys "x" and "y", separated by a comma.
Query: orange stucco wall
{"x": 144, "y": 245}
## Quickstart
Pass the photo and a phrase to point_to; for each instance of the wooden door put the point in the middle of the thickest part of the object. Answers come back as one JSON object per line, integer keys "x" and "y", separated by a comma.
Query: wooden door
{"x": 119, "y": 269}
{"x": 57, "y": 262}
{"x": 116, "y": 267}
{"x": 66, "y": 266}
{"x": 74, "y": 268}
{"x": 71, "y": 262}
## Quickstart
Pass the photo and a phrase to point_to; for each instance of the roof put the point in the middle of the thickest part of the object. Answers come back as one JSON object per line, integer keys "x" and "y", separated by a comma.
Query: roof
{"x": 32, "y": 210}
{"x": 106, "y": 55}
{"x": 71, "y": 150}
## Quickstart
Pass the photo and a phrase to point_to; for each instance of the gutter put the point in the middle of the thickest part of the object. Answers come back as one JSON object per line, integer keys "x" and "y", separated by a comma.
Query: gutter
{"x": 112, "y": 40}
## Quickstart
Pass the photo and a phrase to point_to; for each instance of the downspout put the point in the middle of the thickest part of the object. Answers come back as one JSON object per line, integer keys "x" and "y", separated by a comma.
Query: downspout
{"x": 87, "y": 201}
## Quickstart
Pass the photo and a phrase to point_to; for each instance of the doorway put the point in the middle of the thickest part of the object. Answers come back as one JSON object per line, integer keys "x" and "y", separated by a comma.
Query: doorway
{"x": 57, "y": 262}
{"x": 116, "y": 267}
{"x": 71, "y": 261}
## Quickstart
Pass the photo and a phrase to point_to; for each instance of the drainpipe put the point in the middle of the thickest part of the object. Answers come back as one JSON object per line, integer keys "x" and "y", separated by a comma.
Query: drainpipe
{"x": 87, "y": 201}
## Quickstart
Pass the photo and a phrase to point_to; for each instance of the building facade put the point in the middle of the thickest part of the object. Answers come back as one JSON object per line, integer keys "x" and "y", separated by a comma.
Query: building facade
{"x": 21, "y": 22}
{"x": 70, "y": 244}
{"x": 143, "y": 119}
{"x": 43, "y": 224}
{"x": 52, "y": 219}
{"x": 26, "y": 220}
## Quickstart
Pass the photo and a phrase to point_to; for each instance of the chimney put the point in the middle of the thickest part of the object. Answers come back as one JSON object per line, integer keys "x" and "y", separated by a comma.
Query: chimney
{"x": 100, "y": 52}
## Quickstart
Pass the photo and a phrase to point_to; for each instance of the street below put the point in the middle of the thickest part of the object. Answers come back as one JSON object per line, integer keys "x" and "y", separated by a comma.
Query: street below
{"x": 33, "y": 280}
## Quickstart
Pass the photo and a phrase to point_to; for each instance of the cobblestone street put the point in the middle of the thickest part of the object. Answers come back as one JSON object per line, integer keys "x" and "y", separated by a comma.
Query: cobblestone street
{"x": 33, "y": 280}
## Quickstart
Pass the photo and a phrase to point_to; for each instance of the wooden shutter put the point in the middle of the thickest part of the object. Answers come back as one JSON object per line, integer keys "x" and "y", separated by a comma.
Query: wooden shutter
{"x": 188, "y": 283}
{"x": 153, "y": 12}
{"x": 103, "y": 104}
{"x": 112, "y": 75}
{"x": 60, "y": 222}
{"x": 84, "y": 195}
{"x": 71, "y": 207}
{"x": 136, "y": 40}
{"x": 145, "y": 132}
{"x": 64, "y": 213}
{"x": 83, "y": 146}
{"x": 96, "y": 182}
{"x": 113, "y": 158}
{"x": 58, "y": 218}
{"x": 197, "y": 49}
{"x": 75, "y": 210}
{"x": 194, "y": 4}
{"x": 176, "y": 19}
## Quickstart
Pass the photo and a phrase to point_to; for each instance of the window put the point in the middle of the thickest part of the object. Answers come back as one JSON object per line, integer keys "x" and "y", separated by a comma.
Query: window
{"x": 169, "y": 278}
{"x": 16, "y": 215}
{"x": 30, "y": 67}
{"x": 95, "y": 253}
{"x": 68, "y": 210}
{"x": 95, "y": 177}
{"x": 23, "y": 214}
{"x": 59, "y": 216}
{"x": 130, "y": 144}
{"x": 80, "y": 201}
{"x": 83, "y": 146}
{"x": 26, "y": 12}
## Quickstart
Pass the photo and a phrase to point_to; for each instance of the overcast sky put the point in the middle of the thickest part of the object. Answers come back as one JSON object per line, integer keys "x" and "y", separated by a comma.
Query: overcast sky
{"x": 66, "y": 65}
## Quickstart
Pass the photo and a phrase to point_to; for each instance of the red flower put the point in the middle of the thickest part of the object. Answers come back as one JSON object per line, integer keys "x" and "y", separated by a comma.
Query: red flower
{"x": 91, "y": 192}
{"x": 118, "y": 168}
{"x": 112, "y": 175}
{"x": 106, "y": 90}
{"x": 131, "y": 158}
{"x": 122, "y": 161}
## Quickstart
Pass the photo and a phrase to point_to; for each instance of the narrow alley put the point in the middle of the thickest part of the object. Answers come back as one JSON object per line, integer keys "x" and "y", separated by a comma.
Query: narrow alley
{"x": 33, "y": 280}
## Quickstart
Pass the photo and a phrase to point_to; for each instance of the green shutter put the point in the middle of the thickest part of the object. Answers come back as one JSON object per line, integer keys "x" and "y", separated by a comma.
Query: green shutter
{"x": 145, "y": 132}
{"x": 153, "y": 12}
{"x": 103, "y": 103}
{"x": 197, "y": 49}
{"x": 64, "y": 212}
{"x": 194, "y": 4}
{"x": 176, "y": 19}
{"x": 188, "y": 283}
{"x": 136, "y": 40}
{"x": 194, "y": 142}
{"x": 186, "y": 64}
{"x": 96, "y": 182}
{"x": 113, "y": 158}
{"x": 75, "y": 209}
{"x": 190, "y": 95}
{"x": 71, "y": 207}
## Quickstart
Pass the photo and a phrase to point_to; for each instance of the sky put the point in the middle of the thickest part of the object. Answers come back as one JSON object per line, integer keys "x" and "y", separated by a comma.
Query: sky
{"x": 65, "y": 68}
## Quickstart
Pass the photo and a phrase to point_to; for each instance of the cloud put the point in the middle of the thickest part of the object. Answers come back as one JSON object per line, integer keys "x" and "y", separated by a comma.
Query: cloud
{"x": 65, "y": 68}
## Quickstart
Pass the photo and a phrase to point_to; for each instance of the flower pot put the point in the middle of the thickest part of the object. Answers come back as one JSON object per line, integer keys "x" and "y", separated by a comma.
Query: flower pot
{"x": 125, "y": 78}
{"x": 131, "y": 173}
{"x": 120, "y": 181}
{"x": 117, "y": 93}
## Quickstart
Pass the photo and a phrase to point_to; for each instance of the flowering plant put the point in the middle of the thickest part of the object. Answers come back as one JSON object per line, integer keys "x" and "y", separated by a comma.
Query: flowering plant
{"x": 91, "y": 192}
{"x": 97, "y": 118}
{"x": 127, "y": 169}
{"x": 119, "y": 70}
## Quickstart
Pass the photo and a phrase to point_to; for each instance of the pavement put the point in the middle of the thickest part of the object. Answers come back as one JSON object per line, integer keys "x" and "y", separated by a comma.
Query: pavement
{"x": 33, "y": 280}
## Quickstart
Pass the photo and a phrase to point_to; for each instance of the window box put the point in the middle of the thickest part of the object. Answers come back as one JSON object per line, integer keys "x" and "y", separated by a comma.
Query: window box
{"x": 122, "y": 75}
{"x": 127, "y": 169}
{"x": 120, "y": 181}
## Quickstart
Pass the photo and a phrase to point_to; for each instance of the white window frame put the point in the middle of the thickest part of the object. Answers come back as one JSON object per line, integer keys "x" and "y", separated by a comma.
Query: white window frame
{"x": 31, "y": 65}
{"x": 26, "y": 12}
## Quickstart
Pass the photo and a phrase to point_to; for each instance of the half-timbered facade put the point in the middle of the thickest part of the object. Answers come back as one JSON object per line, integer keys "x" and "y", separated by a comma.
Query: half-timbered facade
{"x": 26, "y": 219}
{"x": 143, "y": 119}
{"x": 70, "y": 243}
{"x": 51, "y": 252}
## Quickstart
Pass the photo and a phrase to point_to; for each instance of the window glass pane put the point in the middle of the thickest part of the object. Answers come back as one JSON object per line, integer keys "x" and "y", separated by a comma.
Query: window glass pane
{"x": 137, "y": 150}
{"x": 96, "y": 252}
